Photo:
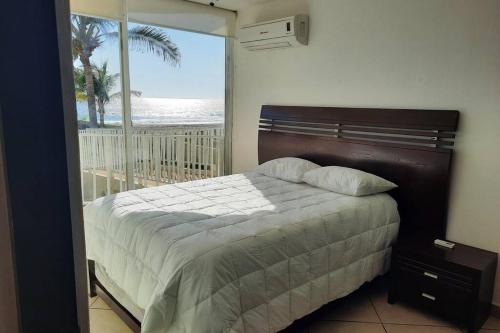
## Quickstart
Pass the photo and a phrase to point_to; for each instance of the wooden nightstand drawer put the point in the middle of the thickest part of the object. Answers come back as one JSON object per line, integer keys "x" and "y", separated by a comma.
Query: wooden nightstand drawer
{"x": 434, "y": 293}
{"x": 430, "y": 273}
{"x": 432, "y": 296}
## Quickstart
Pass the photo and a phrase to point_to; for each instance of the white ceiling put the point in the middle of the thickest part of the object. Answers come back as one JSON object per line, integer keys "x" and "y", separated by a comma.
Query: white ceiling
{"x": 232, "y": 4}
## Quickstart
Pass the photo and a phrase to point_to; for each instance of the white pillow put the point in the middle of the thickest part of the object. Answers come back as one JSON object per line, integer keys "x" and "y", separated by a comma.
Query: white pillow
{"x": 291, "y": 169}
{"x": 347, "y": 181}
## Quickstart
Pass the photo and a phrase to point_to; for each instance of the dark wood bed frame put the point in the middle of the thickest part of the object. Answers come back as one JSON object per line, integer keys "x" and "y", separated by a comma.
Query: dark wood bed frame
{"x": 412, "y": 148}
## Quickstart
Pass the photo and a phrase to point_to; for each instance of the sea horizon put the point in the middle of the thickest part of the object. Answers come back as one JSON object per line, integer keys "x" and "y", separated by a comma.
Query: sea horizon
{"x": 162, "y": 111}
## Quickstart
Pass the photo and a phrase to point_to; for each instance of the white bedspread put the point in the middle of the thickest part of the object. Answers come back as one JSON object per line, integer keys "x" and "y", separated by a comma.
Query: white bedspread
{"x": 241, "y": 253}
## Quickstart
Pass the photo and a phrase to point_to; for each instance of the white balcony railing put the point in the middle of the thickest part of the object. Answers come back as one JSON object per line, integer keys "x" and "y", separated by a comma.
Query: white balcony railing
{"x": 160, "y": 155}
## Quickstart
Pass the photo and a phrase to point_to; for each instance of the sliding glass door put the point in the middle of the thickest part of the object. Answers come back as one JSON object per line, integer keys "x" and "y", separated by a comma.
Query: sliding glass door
{"x": 152, "y": 103}
{"x": 177, "y": 104}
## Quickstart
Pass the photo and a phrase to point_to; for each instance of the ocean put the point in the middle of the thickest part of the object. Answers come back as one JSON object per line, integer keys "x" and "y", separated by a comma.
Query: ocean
{"x": 162, "y": 111}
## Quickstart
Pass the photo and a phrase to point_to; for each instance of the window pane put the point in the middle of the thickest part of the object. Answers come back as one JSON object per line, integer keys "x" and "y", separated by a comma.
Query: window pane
{"x": 99, "y": 106}
{"x": 178, "y": 84}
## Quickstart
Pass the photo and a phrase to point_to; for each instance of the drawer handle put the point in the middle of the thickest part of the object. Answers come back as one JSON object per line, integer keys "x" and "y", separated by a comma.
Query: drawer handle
{"x": 432, "y": 298}
{"x": 432, "y": 276}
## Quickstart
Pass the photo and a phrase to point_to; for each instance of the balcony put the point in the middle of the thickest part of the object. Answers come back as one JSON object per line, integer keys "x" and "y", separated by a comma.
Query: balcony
{"x": 160, "y": 155}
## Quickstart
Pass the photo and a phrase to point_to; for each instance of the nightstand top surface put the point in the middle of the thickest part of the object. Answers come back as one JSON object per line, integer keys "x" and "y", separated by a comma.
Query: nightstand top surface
{"x": 461, "y": 254}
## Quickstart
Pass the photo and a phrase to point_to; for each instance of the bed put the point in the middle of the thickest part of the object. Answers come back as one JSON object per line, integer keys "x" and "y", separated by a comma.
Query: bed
{"x": 251, "y": 253}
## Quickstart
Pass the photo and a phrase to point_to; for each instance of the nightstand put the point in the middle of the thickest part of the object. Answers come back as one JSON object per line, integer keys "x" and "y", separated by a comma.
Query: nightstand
{"x": 456, "y": 283}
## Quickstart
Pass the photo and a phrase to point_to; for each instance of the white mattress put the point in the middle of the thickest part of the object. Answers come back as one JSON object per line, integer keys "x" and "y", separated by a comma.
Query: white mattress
{"x": 241, "y": 253}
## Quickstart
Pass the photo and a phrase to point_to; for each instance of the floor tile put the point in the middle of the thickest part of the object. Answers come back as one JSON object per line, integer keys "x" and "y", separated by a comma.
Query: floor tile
{"x": 106, "y": 321}
{"x": 400, "y": 313}
{"x": 345, "y": 327}
{"x": 492, "y": 323}
{"x": 355, "y": 307}
{"x": 92, "y": 300}
{"x": 392, "y": 328}
{"x": 99, "y": 304}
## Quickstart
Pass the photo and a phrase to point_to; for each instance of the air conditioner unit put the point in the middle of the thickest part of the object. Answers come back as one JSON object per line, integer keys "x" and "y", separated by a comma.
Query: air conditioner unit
{"x": 285, "y": 32}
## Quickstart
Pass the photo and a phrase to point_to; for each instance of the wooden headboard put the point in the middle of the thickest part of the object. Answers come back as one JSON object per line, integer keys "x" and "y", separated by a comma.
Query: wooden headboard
{"x": 412, "y": 148}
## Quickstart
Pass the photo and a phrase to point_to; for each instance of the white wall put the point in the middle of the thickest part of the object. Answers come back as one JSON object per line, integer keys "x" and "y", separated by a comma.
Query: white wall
{"x": 391, "y": 53}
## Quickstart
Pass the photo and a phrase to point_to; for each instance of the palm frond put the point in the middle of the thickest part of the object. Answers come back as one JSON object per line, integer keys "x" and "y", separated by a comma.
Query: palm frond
{"x": 104, "y": 82}
{"x": 87, "y": 34}
{"x": 154, "y": 40}
{"x": 80, "y": 97}
{"x": 80, "y": 87}
{"x": 103, "y": 24}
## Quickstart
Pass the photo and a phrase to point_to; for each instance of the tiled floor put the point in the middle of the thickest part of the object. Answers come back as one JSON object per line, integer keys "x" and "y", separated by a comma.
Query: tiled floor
{"x": 103, "y": 319}
{"x": 365, "y": 311}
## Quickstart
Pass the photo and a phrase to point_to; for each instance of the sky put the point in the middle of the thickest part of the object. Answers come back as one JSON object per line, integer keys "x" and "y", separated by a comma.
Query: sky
{"x": 201, "y": 73}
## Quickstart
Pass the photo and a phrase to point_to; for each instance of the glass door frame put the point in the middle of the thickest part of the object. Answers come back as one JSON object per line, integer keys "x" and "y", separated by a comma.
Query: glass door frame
{"x": 126, "y": 102}
{"x": 127, "y": 105}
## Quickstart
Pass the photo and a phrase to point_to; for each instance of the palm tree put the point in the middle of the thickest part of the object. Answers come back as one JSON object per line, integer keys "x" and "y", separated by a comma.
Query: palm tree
{"x": 88, "y": 33}
{"x": 103, "y": 83}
